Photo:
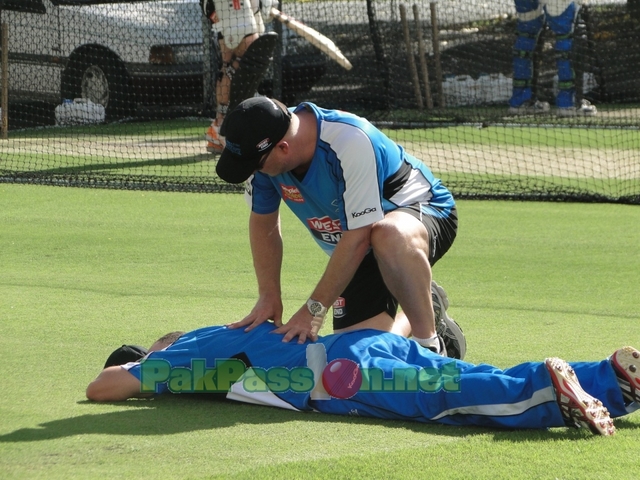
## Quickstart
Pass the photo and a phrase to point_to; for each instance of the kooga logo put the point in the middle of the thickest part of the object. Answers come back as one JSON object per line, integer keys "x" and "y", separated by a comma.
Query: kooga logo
{"x": 364, "y": 212}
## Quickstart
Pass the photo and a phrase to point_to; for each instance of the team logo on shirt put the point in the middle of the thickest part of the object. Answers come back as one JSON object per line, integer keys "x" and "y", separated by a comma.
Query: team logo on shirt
{"x": 339, "y": 307}
{"x": 363, "y": 212}
{"x": 325, "y": 229}
{"x": 291, "y": 193}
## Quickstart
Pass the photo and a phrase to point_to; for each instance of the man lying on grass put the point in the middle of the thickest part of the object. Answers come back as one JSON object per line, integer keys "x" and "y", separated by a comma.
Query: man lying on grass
{"x": 375, "y": 374}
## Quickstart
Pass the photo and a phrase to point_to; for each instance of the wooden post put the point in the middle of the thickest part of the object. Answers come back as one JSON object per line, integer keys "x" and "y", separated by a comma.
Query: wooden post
{"x": 436, "y": 53}
{"x": 4, "y": 81}
{"x": 423, "y": 58}
{"x": 412, "y": 61}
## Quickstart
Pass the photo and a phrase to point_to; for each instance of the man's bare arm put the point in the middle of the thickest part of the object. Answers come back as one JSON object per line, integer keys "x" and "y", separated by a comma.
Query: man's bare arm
{"x": 114, "y": 384}
{"x": 344, "y": 262}
{"x": 266, "y": 249}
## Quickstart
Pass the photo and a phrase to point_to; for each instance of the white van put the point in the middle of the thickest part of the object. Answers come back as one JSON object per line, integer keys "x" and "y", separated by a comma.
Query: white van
{"x": 124, "y": 56}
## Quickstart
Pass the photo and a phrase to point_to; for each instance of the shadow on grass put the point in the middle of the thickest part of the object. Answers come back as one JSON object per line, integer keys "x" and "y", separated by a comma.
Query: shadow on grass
{"x": 171, "y": 414}
{"x": 157, "y": 162}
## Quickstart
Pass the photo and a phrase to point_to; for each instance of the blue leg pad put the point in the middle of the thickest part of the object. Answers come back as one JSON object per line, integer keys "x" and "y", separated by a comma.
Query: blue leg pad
{"x": 563, "y": 26}
{"x": 523, "y": 48}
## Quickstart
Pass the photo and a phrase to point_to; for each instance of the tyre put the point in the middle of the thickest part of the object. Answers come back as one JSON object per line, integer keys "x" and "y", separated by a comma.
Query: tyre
{"x": 98, "y": 75}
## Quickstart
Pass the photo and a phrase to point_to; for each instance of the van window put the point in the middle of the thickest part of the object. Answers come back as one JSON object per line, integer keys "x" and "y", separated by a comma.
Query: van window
{"x": 28, "y": 6}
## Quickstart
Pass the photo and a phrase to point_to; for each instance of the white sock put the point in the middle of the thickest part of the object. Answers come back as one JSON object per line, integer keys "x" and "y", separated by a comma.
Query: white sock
{"x": 432, "y": 342}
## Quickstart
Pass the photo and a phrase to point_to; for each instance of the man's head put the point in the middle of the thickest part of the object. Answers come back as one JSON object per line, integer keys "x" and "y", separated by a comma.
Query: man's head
{"x": 135, "y": 353}
{"x": 165, "y": 341}
{"x": 251, "y": 130}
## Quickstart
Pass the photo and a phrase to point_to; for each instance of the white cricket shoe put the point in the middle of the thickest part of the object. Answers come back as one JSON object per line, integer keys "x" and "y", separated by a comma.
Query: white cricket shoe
{"x": 626, "y": 364}
{"x": 215, "y": 141}
{"x": 586, "y": 109}
{"x": 530, "y": 108}
{"x": 578, "y": 407}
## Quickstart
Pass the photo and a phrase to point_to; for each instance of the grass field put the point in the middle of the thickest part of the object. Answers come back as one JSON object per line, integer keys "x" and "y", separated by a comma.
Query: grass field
{"x": 83, "y": 271}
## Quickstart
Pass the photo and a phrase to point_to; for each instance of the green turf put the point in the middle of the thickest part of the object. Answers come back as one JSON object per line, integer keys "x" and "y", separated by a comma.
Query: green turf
{"x": 83, "y": 271}
{"x": 557, "y": 137}
{"x": 492, "y": 161}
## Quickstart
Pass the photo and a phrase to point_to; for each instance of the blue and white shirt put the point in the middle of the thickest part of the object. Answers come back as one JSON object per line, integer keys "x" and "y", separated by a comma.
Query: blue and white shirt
{"x": 357, "y": 175}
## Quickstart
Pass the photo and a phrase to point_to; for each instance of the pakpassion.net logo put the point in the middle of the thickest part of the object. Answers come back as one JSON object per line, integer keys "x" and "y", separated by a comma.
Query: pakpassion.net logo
{"x": 341, "y": 378}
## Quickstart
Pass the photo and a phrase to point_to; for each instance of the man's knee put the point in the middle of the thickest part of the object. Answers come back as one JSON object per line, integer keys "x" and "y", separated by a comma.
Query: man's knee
{"x": 563, "y": 24}
{"x": 398, "y": 229}
{"x": 253, "y": 65}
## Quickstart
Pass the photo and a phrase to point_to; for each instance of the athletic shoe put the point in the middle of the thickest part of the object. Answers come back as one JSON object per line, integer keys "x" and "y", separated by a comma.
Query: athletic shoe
{"x": 215, "y": 141}
{"x": 530, "y": 108}
{"x": 446, "y": 327}
{"x": 578, "y": 408}
{"x": 626, "y": 364}
{"x": 584, "y": 110}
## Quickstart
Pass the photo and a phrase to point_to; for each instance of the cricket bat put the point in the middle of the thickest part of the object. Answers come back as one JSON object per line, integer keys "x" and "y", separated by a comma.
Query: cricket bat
{"x": 314, "y": 37}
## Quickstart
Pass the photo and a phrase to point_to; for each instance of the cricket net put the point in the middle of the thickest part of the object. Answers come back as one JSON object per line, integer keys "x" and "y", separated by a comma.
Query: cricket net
{"x": 119, "y": 95}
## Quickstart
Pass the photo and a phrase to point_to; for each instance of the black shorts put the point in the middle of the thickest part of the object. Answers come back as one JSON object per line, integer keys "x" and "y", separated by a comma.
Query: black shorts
{"x": 367, "y": 295}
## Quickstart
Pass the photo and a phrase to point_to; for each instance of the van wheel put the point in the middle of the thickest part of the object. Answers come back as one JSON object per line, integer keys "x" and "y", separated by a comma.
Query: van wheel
{"x": 100, "y": 78}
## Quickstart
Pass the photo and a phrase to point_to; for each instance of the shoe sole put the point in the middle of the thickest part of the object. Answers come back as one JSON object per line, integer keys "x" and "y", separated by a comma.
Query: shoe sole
{"x": 577, "y": 406}
{"x": 626, "y": 362}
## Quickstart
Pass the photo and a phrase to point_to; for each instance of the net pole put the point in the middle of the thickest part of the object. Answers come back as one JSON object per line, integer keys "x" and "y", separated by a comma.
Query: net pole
{"x": 423, "y": 58}
{"x": 5, "y": 81}
{"x": 208, "y": 77}
{"x": 411, "y": 60}
{"x": 436, "y": 53}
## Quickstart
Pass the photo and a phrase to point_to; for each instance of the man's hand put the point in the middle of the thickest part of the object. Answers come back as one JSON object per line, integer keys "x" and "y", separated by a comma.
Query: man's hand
{"x": 267, "y": 308}
{"x": 298, "y": 326}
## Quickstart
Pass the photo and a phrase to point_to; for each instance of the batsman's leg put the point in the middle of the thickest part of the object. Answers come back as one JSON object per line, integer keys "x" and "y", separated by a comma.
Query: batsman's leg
{"x": 241, "y": 72}
{"x": 561, "y": 16}
{"x": 529, "y": 25}
{"x": 253, "y": 65}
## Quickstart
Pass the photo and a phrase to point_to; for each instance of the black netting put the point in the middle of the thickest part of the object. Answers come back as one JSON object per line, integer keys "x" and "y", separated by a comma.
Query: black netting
{"x": 120, "y": 95}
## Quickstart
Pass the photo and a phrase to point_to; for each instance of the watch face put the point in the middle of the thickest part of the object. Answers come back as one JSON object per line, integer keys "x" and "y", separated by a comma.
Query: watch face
{"x": 315, "y": 308}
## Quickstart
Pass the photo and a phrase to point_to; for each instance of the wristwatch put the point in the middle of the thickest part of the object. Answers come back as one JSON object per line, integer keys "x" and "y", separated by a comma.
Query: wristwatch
{"x": 318, "y": 311}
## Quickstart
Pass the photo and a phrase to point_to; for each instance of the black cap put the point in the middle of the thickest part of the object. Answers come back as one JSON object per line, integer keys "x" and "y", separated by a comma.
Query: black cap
{"x": 251, "y": 130}
{"x": 125, "y": 354}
